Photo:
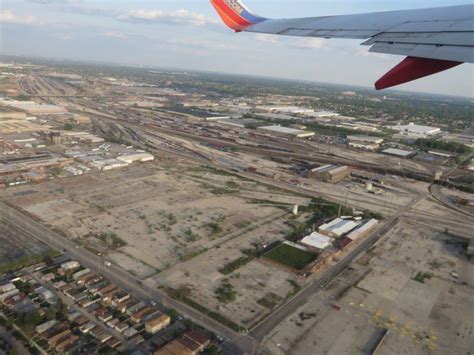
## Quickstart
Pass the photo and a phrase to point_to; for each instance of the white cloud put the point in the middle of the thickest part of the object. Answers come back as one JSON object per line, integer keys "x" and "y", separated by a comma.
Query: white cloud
{"x": 267, "y": 38}
{"x": 309, "y": 43}
{"x": 293, "y": 42}
{"x": 202, "y": 44}
{"x": 7, "y": 16}
{"x": 114, "y": 34}
{"x": 179, "y": 17}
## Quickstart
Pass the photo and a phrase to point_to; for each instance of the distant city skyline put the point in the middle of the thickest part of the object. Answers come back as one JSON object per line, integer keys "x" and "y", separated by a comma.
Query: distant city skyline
{"x": 188, "y": 35}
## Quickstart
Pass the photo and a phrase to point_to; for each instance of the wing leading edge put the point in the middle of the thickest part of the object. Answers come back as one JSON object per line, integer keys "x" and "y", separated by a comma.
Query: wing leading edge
{"x": 433, "y": 40}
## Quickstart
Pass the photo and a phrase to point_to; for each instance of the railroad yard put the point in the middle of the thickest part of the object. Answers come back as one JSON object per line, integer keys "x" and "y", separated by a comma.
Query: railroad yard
{"x": 278, "y": 244}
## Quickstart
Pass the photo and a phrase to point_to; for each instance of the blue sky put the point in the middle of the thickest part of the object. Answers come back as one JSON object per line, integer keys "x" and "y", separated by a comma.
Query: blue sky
{"x": 187, "y": 34}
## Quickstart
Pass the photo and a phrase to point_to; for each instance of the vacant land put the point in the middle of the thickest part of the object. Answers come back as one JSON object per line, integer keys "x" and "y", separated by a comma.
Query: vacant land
{"x": 290, "y": 256}
{"x": 18, "y": 250}
{"x": 417, "y": 283}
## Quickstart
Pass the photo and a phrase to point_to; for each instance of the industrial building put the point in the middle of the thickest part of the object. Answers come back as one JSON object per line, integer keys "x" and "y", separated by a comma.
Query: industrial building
{"x": 12, "y": 116}
{"x": 400, "y": 153}
{"x": 81, "y": 119}
{"x": 364, "y": 142}
{"x": 83, "y": 137}
{"x": 363, "y": 230}
{"x": 292, "y": 110}
{"x": 317, "y": 242}
{"x": 238, "y": 122}
{"x": 412, "y": 130}
{"x": 21, "y": 126}
{"x": 217, "y": 118}
{"x": 136, "y": 157}
{"x": 330, "y": 173}
{"x": 108, "y": 164}
{"x": 338, "y": 227}
{"x": 286, "y": 132}
{"x": 33, "y": 108}
{"x": 321, "y": 114}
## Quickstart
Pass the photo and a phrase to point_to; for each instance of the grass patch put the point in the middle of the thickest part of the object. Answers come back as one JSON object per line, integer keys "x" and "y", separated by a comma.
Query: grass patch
{"x": 290, "y": 256}
{"x": 223, "y": 191}
{"x": 422, "y": 276}
{"x": 435, "y": 264}
{"x": 193, "y": 254}
{"x": 112, "y": 240}
{"x": 191, "y": 237}
{"x": 238, "y": 263}
{"x": 215, "y": 227}
{"x": 26, "y": 261}
{"x": 270, "y": 300}
{"x": 182, "y": 294}
{"x": 225, "y": 293}
{"x": 296, "y": 288}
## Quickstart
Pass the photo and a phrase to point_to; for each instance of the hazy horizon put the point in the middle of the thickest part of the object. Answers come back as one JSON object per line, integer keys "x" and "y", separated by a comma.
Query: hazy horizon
{"x": 188, "y": 35}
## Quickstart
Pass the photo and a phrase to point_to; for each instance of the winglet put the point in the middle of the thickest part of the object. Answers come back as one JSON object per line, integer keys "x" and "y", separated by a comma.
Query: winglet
{"x": 412, "y": 68}
{"x": 235, "y": 15}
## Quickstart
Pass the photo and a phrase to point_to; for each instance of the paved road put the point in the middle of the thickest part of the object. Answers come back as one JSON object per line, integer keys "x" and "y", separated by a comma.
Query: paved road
{"x": 238, "y": 343}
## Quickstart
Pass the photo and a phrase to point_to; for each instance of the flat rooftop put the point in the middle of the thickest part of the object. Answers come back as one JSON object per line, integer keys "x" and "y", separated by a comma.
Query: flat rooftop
{"x": 284, "y": 130}
{"x": 398, "y": 152}
{"x": 365, "y": 139}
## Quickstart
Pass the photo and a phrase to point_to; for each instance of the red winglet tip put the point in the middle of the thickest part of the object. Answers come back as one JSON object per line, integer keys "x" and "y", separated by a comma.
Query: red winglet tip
{"x": 412, "y": 68}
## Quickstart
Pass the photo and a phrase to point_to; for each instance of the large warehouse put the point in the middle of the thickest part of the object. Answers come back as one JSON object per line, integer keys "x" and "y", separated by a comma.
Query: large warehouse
{"x": 412, "y": 130}
{"x": 33, "y": 108}
{"x": 338, "y": 227}
{"x": 364, "y": 142}
{"x": 399, "y": 152}
{"x": 316, "y": 241}
{"x": 286, "y": 132}
{"x": 330, "y": 173}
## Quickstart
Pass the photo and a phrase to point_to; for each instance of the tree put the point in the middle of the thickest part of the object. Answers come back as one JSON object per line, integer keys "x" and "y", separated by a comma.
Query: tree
{"x": 213, "y": 350}
{"x": 173, "y": 314}
{"x": 48, "y": 260}
{"x": 51, "y": 313}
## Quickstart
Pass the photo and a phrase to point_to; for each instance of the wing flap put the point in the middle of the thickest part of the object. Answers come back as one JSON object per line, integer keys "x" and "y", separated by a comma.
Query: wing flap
{"x": 434, "y": 38}
{"x": 453, "y": 53}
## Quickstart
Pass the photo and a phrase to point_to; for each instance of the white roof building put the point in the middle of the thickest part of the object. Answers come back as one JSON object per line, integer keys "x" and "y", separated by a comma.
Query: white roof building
{"x": 365, "y": 139}
{"x": 287, "y": 131}
{"x": 399, "y": 152}
{"x": 109, "y": 164}
{"x": 136, "y": 157}
{"x": 338, "y": 227}
{"x": 317, "y": 240}
{"x": 70, "y": 265}
{"x": 363, "y": 230}
{"x": 321, "y": 114}
{"x": 416, "y": 131}
{"x": 217, "y": 118}
{"x": 33, "y": 107}
{"x": 286, "y": 109}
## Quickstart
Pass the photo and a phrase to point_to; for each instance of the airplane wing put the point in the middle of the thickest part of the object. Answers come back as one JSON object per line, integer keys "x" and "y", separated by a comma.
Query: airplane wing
{"x": 432, "y": 40}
